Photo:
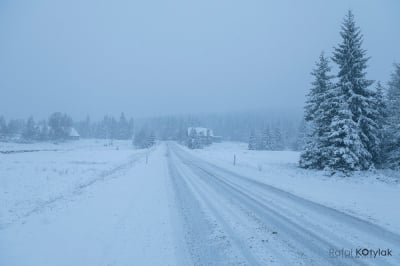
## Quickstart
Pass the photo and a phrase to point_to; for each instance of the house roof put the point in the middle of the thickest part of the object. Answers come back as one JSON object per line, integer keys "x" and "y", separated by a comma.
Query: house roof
{"x": 73, "y": 132}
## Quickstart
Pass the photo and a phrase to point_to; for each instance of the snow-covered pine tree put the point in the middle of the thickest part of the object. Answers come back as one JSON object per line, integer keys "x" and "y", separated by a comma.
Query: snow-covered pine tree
{"x": 266, "y": 139}
{"x": 380, "y": 120}
{"x": 122, "y": 128}
{"x": 345, "y": 150}
{"x": 392, "y": 132}
{"x": 30, "y": 131}
{"x": 3, "y": 126}
{"x": 299, "y": 143}
{"x": 360, "y": 136}
{"x": 131, "y": 127}
{"x": 318, "y": 116}
{"x": 112, "y": 128}
{"x": 277, "y": 139}
{"x": 253, "y": 143}
{"x": 193, "y": 139}
{"x": 43, "y": 130}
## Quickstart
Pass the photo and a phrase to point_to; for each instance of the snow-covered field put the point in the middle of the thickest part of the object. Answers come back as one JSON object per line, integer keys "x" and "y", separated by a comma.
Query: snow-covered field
{"x": 34, "y": 175}
{"x": 87, "y": 203}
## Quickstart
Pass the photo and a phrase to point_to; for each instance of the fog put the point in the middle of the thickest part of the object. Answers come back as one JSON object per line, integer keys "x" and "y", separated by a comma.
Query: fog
{"x": 152, "y": 58}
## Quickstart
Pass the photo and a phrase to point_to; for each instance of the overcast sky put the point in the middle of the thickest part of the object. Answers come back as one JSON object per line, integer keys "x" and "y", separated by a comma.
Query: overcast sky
{"x": 159, "y": 57}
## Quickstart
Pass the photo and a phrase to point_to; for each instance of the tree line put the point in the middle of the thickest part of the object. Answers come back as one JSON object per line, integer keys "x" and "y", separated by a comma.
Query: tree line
{"x": 58, "y": 127}
{"x": 267, "y": 139}
{"x": 351, "y": 124}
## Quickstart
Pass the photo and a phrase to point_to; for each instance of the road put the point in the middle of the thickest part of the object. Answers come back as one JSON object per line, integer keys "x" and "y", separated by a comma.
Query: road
{"x": 229, "y": 219}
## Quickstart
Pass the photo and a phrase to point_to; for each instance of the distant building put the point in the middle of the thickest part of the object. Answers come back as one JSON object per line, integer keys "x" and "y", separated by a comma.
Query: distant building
{"x": 198, "y": 137}
{"x": 73, "y": 134}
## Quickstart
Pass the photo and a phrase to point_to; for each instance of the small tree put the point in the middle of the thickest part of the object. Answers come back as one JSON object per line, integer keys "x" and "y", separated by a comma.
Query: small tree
{"x": 193, "y": 139}
{"x": 123, "y": 131}
{"x": 3, "y": 126}
{"x": 277, "y": 140}
{"x": 253, "y": 143}
{"x": 30, "y": 131}
{"x": 60, "y": 125}
{"x": 266, "y": 140}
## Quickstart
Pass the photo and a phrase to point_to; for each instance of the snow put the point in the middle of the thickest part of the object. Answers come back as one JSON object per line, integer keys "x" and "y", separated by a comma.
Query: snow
{"x": 92, "y": 203}
{"x": 49, "y": 171}
{"x": 370, "y": 195}
{"x": 121, "y": 219}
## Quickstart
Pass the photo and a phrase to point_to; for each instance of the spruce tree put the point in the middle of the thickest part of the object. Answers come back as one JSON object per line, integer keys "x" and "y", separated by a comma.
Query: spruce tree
{"x": 345, "y": 150}
{"x": 122, "y": 128}
{"x": 356, "y": 124}
{"x": 380, "y": 120}
{"x": 3, "y": 126}
{"x": 266, "y": 139}
{"x": 252, "y": 141}
{"x": 392, "y": 132}
{"x": 318, "y": 116}
{"x": 30, "y": 131}
{"x": 277, "y": 140}
{"x": 301, "y": 139}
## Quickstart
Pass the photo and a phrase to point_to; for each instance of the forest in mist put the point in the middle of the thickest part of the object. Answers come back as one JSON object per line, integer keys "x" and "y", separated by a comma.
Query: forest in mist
{"x": 230, "y": 126}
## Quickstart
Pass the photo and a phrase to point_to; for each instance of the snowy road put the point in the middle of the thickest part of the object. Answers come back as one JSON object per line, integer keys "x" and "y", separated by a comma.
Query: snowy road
{"x": 176, "y": 209}
{"x": 233, "y": 220}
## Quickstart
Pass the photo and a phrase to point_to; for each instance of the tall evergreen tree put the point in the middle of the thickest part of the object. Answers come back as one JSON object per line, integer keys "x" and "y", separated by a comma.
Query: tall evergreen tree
{"x": 318, "y": 112}
{"x": 30, "y": 131}
{"x": 345, "y": 150}
{"x": 3, "y": 126}
{"x": 277, "y": 139}
{"x": 299, "y": 143}
{"x": 266, "y": 139}
{"x": 356, "y": 133}
{"x": 392, "y": 133}
{"x": 253, "y": 144}
{"x": 123, "y": 128}
{"x": 380, "y": 118}
{"x": 60, "y": 125}
{"x": 43, "y": 130}
{"x": 193, "y": 139}
{"x": 131, "y": 125}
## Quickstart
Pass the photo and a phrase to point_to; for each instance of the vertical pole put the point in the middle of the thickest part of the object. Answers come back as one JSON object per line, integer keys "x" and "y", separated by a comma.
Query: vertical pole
{"x": 234, "y": 159}
{"x": 147, "y": 157}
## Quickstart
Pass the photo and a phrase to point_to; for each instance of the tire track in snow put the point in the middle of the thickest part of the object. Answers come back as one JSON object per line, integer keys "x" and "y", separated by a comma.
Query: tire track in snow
{"x": 249, "y": 239}
{"x": 316, "y": 242}
{"x": 235, "y": 252}
{"x": 197, "y": 228}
